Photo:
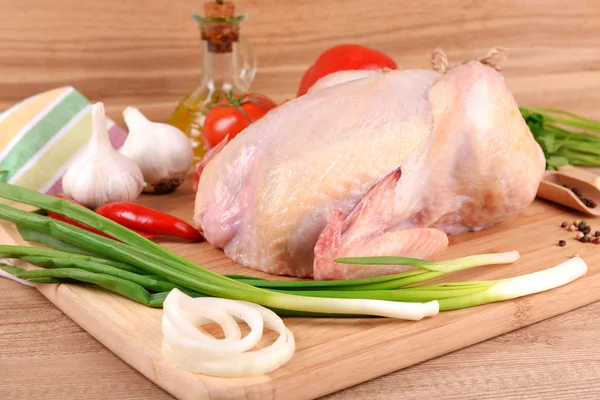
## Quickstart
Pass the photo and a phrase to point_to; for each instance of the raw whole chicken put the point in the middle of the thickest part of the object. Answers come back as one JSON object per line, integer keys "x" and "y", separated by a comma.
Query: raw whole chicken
{"x": 370, "y": 163}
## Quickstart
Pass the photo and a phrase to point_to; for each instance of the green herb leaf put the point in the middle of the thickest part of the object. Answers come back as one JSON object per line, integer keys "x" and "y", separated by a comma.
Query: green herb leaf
{"x": 547, "y": 143}
{"x": 561, "y": 146}
{"x": 556, "y": 161}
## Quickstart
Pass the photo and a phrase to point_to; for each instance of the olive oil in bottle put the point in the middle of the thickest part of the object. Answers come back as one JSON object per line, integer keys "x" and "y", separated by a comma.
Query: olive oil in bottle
{"x": 229, "y": 65}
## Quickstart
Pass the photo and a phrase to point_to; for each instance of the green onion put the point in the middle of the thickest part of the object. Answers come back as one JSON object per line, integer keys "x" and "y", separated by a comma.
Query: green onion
{"x": 123, "y": 287}
{"x": 11, "y": 269}
{"x": 51, "y": 280}
{"x": 380, "y": 282}
{"x": 143, "y": 271}
{"x": 11, "y": 272}
{"x": 8, "y": 251}
{"x": 413, "y": 294}
{"x": 430, "y": 270}
{"x": 159, "y": 261}
{"x": 512, "y": 288}
{"x": 156, "y": 299}
{"x": 122, "y": 252}
{"x": 146, "y": 282}
{"x": 33, "y": 236}
{"x": 440, "y": 266}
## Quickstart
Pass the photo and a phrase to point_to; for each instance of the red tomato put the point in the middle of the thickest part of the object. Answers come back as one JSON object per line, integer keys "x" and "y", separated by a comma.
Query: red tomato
{"x": 232, "y": 115}
{"x": 342, "y": 58}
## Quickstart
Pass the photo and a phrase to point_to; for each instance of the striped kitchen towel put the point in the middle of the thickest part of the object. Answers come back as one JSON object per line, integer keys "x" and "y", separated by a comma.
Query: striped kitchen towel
{"x": 42, "y": 135}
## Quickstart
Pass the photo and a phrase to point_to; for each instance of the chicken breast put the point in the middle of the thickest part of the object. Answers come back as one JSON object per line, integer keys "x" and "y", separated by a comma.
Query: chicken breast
{"x": 378, "y": 163}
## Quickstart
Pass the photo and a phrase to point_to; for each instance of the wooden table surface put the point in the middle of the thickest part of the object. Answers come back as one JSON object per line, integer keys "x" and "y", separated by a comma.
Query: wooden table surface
{"x": 45, "y": 355}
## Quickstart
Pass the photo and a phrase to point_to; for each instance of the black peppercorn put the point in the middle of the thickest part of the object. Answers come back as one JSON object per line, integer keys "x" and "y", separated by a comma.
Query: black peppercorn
{"x": 562, "y": 243}
{"x": 586, "y": 230}
{"x": 564, "y": 224}
{"x": 583, "y": 239}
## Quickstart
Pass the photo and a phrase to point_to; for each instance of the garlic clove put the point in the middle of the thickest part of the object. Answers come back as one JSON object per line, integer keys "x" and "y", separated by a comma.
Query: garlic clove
{"x": 101, "y": 174}
{"x": 163, "y": 153}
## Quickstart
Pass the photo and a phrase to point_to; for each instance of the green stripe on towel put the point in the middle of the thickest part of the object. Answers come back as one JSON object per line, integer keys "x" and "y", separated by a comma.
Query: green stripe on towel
{"x": 47, "y": 162}
{"x": 39, "y": 134}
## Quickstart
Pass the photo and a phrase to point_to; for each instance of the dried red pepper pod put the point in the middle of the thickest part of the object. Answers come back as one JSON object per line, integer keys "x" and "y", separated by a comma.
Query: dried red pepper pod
{"x": 68, "y": 220}
{"x": 145, "y": 219}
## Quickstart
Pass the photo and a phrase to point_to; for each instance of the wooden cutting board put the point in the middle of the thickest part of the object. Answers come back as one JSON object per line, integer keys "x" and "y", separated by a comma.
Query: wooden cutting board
{"x": 333, "y": 354}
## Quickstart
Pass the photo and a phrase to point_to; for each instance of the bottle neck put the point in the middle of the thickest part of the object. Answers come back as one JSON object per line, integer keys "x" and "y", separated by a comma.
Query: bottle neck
{"x": 220, "y": 70}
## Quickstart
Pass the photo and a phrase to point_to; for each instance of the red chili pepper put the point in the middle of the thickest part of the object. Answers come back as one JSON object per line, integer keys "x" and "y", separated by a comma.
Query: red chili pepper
{"x": 68, "y": 220}
{"x": 145, "y": 219}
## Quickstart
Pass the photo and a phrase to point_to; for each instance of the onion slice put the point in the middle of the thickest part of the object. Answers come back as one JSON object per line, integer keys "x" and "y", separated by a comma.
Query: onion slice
{"x": 195, "y": 351}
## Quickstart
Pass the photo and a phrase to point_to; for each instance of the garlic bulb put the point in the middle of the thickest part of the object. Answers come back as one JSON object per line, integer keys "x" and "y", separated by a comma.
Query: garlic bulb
{"x": 163, "y": 152}
{"x": 102, "y": 175}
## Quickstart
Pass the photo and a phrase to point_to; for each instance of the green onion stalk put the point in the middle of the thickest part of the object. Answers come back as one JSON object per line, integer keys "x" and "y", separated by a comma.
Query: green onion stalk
{"x": 143, "y": 271}
{"x": 429, "y": 269}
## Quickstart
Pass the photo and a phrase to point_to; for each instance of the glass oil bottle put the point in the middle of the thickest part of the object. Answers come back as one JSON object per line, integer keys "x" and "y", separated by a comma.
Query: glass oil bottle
{"x": 228, "y": 65}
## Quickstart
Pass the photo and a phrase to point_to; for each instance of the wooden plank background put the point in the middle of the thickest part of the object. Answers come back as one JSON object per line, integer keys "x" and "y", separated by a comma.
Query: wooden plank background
{"x": 147, "y": 52}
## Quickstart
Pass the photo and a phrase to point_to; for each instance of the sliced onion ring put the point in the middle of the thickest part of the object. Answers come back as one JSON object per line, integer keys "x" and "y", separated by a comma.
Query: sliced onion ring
{"x": 192, "y": 350}
{"x": 183, "y": 314}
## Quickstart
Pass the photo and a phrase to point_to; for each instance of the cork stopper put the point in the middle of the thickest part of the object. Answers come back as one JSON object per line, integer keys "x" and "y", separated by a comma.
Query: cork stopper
{"x": 220, "y": 35}
{"x": 219, "y": 9}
